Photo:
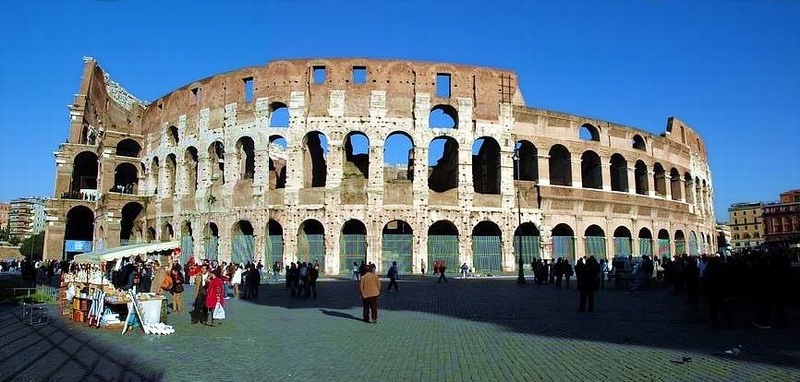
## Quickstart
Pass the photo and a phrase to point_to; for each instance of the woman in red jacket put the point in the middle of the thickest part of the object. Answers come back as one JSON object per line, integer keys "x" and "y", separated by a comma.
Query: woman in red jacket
{"x": 215, "y": 293}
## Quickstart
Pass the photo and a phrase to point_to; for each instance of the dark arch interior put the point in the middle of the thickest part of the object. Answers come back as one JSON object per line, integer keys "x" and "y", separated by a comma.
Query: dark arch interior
{"x": 312, "y": 227}
{"x": 151, "y": 234}
{"x": 173, "y": 135}
{"x": 192, "y": 159}
{"x": 80, "y": 224}
{"x": 356, "y": 155}
{"x": 442, "y": 227}
{"x": 247, "y": 157}
{"x": 130, "y": 212}
{"x": 84, "y": 172}
{"x": 675, "y": 183}
{"x": 397, "y": 227}
{"x": 167, "y": 233}
{"x": 526, "y": 163}
{"x": 589, "y": 133}
{"x": 274, "y": 228}
{"x": 486, "y": 166}
{"x": 622, "y": 232}
{"x": 563, "y": 230}
{"x": 277, "y": 162}
{"x": 644, "y": 233}
{"x": 638, "y": 143}
{"x": 211, "y": 230}
{"x": 354, "y": 227}
{"x": 126, "y": 178}
{"x": 659, "y": 180}
{"x": 443, "y": 173}
{"x": 591, "y": 170}
{"x": 640, "y": 174}
{"x": 619, "y": 173}
{"x": 486, "y": 228}
{"x": 128, "y": 148}
{"x": 316, "y": 146}
{"x": 526, "y": 229}
{"x": 560, "y": 166}
{"x": 663, "y": 234}
{"x": 594, "y": 230}
{"x": 244, "y": 227}
{"x": 679, "y": 235}
{"x": 216, "y": 154}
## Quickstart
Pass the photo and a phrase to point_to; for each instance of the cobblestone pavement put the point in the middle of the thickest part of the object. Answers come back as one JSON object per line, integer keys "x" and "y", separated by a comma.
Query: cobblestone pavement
{"x": 465, "y": 330}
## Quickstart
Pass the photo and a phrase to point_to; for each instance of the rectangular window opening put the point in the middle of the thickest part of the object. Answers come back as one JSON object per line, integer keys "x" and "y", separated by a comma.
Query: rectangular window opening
{"x": 443, "y": 85}
{"x": 248, "y": 89}
{"x": 320, "y": 72}
{"x": 359, "y": 74}
{"x": 196, "y": 95}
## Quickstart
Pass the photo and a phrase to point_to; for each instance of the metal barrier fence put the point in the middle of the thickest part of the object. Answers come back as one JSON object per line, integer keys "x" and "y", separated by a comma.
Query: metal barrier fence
{"x": 663, "y": 248}
{"x": 564, "y": 246}
{"x": 311, "y": 248}
{"x": 528, "y": 247}
{"x": 212, "y": 248}
{"x": 443, "y": 248}
{"x": 622, "y": 247}
{"x": 242, "y": 246}
{"x": 398, "y": 247}
{"x": 487, "y": 254}
{"x": 353, "y": 249}
{"x": 187, "y": 245}
{"x": 274, "y": 250}
{"x": 596, "y": 246}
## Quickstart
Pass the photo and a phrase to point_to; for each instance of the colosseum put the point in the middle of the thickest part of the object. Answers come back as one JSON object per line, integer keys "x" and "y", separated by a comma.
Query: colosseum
{"x": 340, "y": 160}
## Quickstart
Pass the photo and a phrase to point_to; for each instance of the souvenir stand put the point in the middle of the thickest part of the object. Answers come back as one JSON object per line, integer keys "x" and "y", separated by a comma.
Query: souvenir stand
{"x": 89, "y": 295}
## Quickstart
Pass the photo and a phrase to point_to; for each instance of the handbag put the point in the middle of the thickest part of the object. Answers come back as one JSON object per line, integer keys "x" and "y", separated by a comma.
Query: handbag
{"x": 219, "y": 312}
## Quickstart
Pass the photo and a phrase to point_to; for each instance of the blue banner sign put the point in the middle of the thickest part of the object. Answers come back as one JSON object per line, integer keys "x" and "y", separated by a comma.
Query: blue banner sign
{"x": 78, "y": 246}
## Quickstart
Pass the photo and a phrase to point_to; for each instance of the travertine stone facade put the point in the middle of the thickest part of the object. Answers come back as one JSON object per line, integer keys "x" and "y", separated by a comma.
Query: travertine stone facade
{"x": 211, "y": 152}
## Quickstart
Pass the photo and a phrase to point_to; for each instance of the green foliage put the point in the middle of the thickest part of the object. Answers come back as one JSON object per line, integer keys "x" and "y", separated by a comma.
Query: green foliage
{"x": 13, "y": 240}
{"x": 33, "y": 247}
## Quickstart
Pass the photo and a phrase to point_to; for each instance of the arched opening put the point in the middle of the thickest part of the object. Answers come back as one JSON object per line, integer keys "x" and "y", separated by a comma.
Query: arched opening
{"x": 687, "y": 188}
{"x": 211, "y": 241}
{"x": 698, "y": 192}
{"x": 126, "y": 179}
{"x": 487, "y": 248}
{"x": 563, "y": 242}
{"x": 443, "y": 117}
{"x": 443, "y": 244}
{"x": 84, "y": 174}
{"x": 397, "y": 244}
{"x": 443, "y": 164}
{"x": 274, "y": 245}
{"x": 155, "y": 169}
{"x": 638, "y": 143}
{"x": 694, "y": 249}
{"x": 560, "y": 166}
{"x": 311, "y": 243}
{"x": 187, "y": 242}
{"x": 167, "y": 232}
{"x": 245, "y": 149}
{"x": 526, "y": 165}
{"x": 101, "y": 238}
{"x": 640, "y": 177}
{"x": 595, "y": 239}
{"x": 191, "y": 158}
{"x": 398, "y": 158}
{"x": 619, "y": 173}
{"x": 278, "y": 115}
{"x": 131, "y": 214}
{"x": 356, "y": 156}
{"x": 278, "y": 156}
{"x": 680, "y": 243}
{"x": 352, "y": 245}
{"x": 172, "y": 135}
{"x": 675, "y": 183}
{"x": 486, "y": 166}
{"x": 645, "y": 242}
{"x": 151, "y": 234}
{"x": 242, "y": 242}
{"x": 589, "y": 133}
{"x": 315, "y": 167}
{"x": 526, "y": 242}
{"x": 706, "y": 201}
{"x": 663, "y": 244}
{"x": 660, "y": 180}
{"x": 591, "y": 170}
{"x": 171, "y": 167}
{"x": 128, "y": 148}
{"x": 216, "y": 158}
{"x": 78, "y": 232}
{"x": 622, "y": 242}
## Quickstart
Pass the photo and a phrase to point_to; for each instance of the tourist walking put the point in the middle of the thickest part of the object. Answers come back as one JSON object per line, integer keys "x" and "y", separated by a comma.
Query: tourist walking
{"x": 177, "y": 289}
{"x": 356, "y": 276}
{"x": 442, "y": 269}
{"x": 236, "y": 280}
{"x": 215, "y": 294}
{"x": 464, "y": 270}
{"x": 393, "y": 277}
{"x": 311, "y": 284}
{"x": 586, "y": 272}
{"x": 369, "y": 288}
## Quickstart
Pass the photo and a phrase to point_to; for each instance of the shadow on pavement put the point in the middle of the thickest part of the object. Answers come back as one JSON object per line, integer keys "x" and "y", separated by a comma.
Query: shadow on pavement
{"x": 56, "y": 352}
{"x": 651, "y": 318}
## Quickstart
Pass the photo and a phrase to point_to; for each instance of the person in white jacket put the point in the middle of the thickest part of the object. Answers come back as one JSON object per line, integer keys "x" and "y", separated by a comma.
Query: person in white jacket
{"x": 236, "y": 280}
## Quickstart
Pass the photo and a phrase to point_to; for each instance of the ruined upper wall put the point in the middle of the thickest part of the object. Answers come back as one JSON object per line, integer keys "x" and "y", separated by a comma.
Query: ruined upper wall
{"x": 102, "y": 105}
{"x": 401, "y": 80}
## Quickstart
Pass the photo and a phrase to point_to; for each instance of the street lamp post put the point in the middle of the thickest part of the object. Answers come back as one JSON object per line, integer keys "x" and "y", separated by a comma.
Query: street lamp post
{"x": 521, "y": 271}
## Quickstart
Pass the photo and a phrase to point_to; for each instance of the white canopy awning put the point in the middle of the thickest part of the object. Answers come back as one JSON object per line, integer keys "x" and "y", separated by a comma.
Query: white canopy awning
{"x": 111, "y": 254}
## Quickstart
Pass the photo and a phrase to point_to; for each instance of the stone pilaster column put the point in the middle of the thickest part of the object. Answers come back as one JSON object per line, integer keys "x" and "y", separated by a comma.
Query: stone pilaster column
{"x": 543, "y": 162}
{"x": 606, "y": 171}
{"x": 577, "y": 176}
{"x": 632, "y": 180}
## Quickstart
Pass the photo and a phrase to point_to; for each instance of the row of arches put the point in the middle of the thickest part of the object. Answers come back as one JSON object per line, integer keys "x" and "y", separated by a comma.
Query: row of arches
{"x": 310, "y": 242}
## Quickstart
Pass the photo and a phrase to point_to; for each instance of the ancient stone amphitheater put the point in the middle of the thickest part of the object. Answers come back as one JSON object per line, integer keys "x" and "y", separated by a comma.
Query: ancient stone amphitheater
{"x": 341, "y": 160}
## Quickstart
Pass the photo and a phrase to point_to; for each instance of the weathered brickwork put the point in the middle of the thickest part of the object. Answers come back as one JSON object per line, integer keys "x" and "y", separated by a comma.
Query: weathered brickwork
{"x": 212, "y": 152}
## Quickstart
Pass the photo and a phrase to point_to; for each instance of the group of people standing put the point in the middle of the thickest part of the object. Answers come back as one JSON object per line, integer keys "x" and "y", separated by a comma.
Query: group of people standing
{"x": 301, "y": 279}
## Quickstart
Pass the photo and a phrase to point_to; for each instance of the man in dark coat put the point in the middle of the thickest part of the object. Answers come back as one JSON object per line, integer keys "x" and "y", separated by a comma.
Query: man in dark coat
{"x": 587, "y": 282}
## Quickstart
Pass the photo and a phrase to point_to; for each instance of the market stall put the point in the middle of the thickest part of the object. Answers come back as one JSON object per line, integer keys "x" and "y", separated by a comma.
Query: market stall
{"x": 95, "y": 291}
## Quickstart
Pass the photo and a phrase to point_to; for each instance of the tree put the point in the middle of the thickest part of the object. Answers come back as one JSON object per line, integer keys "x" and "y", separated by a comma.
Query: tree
{"x": 33, "y": 247}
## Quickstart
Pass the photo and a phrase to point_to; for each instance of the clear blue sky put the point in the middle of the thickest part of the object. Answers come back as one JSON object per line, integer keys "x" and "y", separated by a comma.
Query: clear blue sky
{"x": 730, "y": 69}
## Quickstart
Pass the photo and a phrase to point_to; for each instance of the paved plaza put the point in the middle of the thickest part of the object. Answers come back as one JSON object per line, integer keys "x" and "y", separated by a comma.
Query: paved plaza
{"x": 465, "y": 330}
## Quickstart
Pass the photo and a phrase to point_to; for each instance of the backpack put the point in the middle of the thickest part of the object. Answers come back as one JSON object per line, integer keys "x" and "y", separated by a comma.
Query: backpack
{"x": 167, "y": 283}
